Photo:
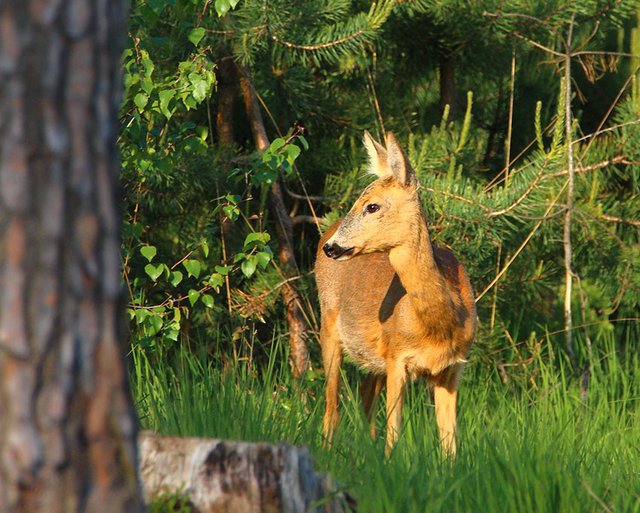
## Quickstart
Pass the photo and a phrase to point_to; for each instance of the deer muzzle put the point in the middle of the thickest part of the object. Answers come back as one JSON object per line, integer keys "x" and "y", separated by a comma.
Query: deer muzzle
{"x": 333, "y": 250}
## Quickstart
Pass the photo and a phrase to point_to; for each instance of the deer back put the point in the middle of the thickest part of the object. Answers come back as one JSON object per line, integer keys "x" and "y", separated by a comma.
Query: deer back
{"x": 375, "y": 318}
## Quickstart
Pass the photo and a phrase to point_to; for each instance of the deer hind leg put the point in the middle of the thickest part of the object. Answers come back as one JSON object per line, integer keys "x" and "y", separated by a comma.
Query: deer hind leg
{"x": 396, "y": 378}
{"x": 445, "y": 394}
{"x": 332, "y": 360}
{"x": 369, "y": 394}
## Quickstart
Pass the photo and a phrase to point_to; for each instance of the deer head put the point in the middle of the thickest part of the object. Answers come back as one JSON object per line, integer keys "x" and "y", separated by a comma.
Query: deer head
{"x": 384, "y": 215}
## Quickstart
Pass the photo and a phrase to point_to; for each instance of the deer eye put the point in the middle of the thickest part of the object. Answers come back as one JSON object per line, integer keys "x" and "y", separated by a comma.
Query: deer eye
{"x": 372, "y": 208}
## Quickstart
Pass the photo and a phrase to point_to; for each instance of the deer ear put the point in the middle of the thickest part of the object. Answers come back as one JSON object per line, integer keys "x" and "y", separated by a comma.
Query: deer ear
{"x": 399, "y": 163}
{"x": 377, "y": 157}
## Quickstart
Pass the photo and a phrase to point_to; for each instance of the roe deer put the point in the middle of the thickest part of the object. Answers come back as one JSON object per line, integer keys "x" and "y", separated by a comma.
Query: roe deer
{"x": 397, "y": 305}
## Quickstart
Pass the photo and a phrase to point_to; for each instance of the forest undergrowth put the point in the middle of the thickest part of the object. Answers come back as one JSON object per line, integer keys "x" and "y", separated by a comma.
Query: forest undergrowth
{"x": 532, "y": 438}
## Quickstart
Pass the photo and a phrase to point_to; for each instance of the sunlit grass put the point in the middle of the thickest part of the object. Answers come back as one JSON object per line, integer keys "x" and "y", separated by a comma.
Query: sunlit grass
{"x": 538, "y": 447}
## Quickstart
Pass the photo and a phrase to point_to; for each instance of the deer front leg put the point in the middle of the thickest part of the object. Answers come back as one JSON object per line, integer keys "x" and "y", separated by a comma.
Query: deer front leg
{"x": 369, "y": 393}
{"x": 332, "y": 360}
{"x": 445, "y": 395}
{"x": 396, "y": 377}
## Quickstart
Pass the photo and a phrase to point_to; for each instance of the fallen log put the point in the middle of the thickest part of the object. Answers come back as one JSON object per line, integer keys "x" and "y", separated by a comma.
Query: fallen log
{"x": 217, "y": 476}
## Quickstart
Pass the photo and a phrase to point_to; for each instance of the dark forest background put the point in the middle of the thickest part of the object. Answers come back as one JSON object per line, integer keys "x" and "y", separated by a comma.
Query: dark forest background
{"x": 241, "y": 141}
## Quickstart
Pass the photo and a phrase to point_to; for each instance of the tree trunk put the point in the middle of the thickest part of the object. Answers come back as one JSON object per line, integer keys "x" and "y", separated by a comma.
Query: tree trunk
{"x": 491, "y": 151}
{"x": 284, "y": 235}
{"x": 67, "y": 423}
{"x": 566, "y": 225}
{"x": 447, "y": 85}
{"x": 219, "y": 476}
{"x": 226, "y": 100}
{"x": 256, "y": 123}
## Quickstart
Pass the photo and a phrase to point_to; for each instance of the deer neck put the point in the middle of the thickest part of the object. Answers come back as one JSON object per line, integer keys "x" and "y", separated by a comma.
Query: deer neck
{"x": 415, "y": 265}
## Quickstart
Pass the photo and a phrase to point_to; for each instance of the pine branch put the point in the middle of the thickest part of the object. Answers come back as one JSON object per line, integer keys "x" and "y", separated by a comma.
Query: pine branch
{"x": 333, "y": 35}
{"x": 526, "y": 193}
{"x": 522, "y": 246}
{"x": 458, "y": 197}
{"x": 538, "y": 45}
{"x": 615, "y": 219}
{"x": 619, "y": 159}
{"x": 321, "y": 46}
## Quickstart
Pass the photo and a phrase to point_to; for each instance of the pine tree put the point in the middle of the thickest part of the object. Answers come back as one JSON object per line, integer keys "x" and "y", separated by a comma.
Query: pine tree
{"x": 68, "y": 430}
{"x": 263, "y": 42}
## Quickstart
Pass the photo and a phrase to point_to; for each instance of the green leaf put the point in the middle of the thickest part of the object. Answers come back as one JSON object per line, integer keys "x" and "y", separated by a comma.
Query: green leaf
{"x": 148, "y": 252}
{"x": 141, "y": 100}
{"x": 292, "y": 151}
{"x": 200, "y": 87}
{"x": 147, "y": 63}
{"x": 223, "y": 269}
{"x": 165, "y": 97}
{"x": 157, "y": 5}
{"x": 148, "y": 85}
{"x": 216, "y": 280}
{"x": 193, "y": 267}
{"x": 203, "y": 132}
{"x": 176, "y": 278}
{"x": 207, "y": 300}
{"x": 248, "y": 266}
{"x": 159, "y": 309}
{"x": 253, "y": 237}
{"x": 196, "y": 35}
{"x": 141, "y": 314}
{"x": 277, "y": 144}
{"x": 172, "y": 334}
{"x": 222, "y": 7}
{"x": 231, "y": 212}
{"x": 205, "y": 248}
{"x": 155, "y": 323}
{"x": 190, "y": 102}
{"x": 153, "y": 271}
{"x": 193, "y": 296}
{"x": 263, "y": 258}
{"x": 146, "y": 342}
{"x": 264, "y": 175}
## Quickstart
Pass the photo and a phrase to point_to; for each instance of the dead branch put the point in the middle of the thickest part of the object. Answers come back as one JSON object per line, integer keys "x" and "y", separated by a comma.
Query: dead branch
{"x": 621, "y": 220}
{"x": 524, "y": 194}
{"x": 299, "y": 219}
{"x": 566, "y": 225}
{"x": 521, "y": 247}
{"x": 321, "y": 46}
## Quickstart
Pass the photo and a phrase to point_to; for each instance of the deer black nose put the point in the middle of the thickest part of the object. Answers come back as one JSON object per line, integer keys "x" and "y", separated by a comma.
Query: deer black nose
{"x": 329, "y": 250}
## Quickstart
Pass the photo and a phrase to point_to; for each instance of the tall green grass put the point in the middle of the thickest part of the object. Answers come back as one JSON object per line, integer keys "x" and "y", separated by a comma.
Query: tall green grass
{"x": 538, "y": 446}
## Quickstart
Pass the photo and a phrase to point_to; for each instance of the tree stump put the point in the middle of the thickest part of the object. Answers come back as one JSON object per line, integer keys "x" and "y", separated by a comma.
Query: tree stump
{"x": 218, "y": 476}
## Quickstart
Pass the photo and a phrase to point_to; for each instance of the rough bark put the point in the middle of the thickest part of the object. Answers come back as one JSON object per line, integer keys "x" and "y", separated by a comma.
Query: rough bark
{"x": 284, "y": 236}
{"x": 217, "y": 476}
{"x": 67, "y": 424}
